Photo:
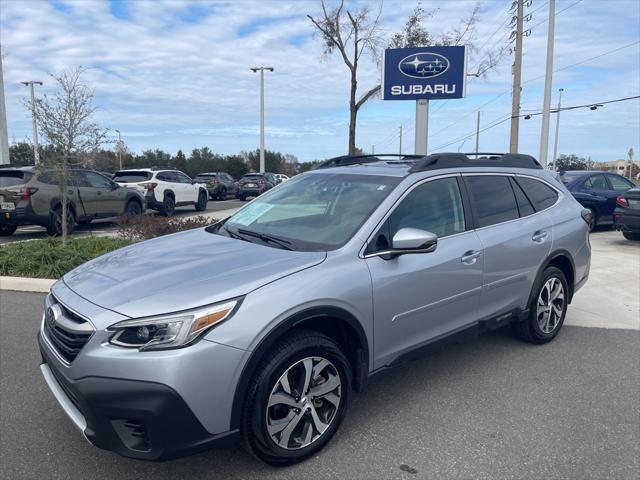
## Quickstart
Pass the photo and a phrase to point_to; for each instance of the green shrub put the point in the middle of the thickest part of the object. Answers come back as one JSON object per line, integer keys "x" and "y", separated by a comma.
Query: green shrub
{"x": 144, "y": 227}
{"x": 48, "y": 259}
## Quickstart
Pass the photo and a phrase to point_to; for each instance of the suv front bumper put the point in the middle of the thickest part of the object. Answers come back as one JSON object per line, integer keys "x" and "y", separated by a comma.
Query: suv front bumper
{"x": 137, "y": 419}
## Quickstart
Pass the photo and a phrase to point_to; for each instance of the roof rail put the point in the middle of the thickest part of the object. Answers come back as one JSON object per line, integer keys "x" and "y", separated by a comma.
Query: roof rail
{"x": 437, "y": 161}
{"x": 359, "y": 159}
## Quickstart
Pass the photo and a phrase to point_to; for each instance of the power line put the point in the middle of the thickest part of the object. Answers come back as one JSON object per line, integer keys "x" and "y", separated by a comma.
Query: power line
{"x": 557, "y": 13}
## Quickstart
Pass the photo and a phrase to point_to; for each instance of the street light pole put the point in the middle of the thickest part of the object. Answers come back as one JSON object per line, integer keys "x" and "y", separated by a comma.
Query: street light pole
{"x": 119, "y": 149}
{"x": 36, "y": 153}
{"x": 4, "y": 134}
{"x": 546, "y": 106}
{"x": 555, "y": 143}
{"x": 261, "y": 70}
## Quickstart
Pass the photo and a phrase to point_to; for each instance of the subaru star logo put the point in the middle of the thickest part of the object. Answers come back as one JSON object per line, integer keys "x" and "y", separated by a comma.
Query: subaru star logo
{"x": 52, "y": 314}
{"x": 423, "y": 65}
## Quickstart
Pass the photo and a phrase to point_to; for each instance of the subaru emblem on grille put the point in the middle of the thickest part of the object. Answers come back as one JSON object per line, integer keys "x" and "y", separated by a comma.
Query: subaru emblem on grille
{"x": 53, "y": 313}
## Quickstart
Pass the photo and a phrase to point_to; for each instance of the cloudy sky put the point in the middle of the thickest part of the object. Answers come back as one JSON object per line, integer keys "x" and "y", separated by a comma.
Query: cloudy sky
{"x": 175, "y": 74}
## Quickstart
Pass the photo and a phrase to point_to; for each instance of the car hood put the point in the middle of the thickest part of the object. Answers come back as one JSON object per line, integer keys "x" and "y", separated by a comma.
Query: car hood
{"x": 182, "y": 271}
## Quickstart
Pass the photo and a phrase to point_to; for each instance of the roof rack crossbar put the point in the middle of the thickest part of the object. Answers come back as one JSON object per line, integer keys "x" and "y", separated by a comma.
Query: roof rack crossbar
{"x": 437, "y": 161}
{"x": 369, "y": 158}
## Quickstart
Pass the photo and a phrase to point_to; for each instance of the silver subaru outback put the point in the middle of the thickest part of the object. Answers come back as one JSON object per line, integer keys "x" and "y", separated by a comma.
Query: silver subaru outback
{"x": 260, "y": 327}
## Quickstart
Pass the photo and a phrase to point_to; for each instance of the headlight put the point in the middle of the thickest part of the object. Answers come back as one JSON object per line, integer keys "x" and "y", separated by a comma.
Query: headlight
{"x": 172, "y": 330}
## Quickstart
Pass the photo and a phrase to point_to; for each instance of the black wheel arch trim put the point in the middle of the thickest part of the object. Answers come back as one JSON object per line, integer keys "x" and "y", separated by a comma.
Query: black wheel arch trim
{"x": 361, "y": 369}
{"x": 548, "y": 260}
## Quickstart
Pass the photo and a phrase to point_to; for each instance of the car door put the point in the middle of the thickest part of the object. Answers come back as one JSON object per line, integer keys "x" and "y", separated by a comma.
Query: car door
{"x": 189, "y": 190}
{"x": 599, "y": 194}
{"x": 109, "y": 197}
{"x": 515, "y": 240}
{"x": 420, "y": 297}
{"x": 86, "y": 196}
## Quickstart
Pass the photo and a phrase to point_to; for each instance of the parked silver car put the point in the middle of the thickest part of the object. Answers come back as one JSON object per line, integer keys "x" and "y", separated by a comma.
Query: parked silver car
{"x": 261, "y": 326}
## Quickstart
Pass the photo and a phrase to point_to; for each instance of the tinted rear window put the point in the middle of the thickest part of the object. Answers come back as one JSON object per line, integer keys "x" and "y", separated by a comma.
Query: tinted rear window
{"x": 131, "y": 177}
{"x": 542, "y": 196}
{"x": 9, "y": 178}
{"x": 493, "y": 199}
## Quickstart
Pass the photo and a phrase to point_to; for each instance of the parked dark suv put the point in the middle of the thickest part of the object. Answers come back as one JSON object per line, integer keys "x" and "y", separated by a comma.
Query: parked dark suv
{"x": 32, "y": 196}
{"x": 254, "y": 184}
{"x": 219, "y": 184}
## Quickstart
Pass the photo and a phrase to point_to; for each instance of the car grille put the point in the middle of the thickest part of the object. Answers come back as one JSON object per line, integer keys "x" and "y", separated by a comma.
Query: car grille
{"x": 67, "y": 331}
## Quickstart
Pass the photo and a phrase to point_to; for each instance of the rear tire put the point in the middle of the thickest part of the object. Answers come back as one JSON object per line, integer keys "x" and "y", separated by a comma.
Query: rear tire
{"x": 7, "y": 230}
{"x": 168, "y": 206}
{"x": 55, "y": 222}
{"x": 547, "y": 309}
{"x": 297, "y": 399}
{"x": 201, "y": 204}
{"x": 631, "y": 236}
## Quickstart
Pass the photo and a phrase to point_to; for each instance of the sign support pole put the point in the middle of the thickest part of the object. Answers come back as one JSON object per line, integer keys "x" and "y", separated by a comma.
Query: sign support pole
{"x": 422, "y": 127}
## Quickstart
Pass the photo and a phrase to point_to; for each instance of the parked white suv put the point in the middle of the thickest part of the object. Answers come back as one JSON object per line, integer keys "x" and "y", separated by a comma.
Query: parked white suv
{"x": 165, "y": 189}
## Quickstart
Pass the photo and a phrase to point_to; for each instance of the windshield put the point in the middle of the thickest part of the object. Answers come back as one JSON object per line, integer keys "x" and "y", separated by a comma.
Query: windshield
{"x": 314, "y": 211}
{"x": 131, "y": 177}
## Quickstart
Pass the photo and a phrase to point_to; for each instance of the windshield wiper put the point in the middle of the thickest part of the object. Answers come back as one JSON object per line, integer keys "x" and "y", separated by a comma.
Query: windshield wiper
{"x": 265, "y": 237}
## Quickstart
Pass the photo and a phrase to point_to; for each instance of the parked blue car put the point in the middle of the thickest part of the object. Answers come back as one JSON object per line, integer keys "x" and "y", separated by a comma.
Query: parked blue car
{"x": 596, "y": 191}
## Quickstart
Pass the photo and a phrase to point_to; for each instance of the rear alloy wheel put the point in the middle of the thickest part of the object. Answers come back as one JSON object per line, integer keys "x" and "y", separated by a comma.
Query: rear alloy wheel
{"x": 55, "y": 222}
{"x": 168, "y": 206}
{"x": 201, "y": 204}
{"x": 547, "y": 310}
{"x": 7, "y": 230}
{"x": 133, "y": 209}
{"x": 297, "y": 399}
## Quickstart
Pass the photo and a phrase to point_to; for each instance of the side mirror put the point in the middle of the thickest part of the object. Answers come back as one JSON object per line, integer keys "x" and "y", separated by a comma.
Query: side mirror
{"x": 115, "y": 186}
{"x": 414, "y": 240}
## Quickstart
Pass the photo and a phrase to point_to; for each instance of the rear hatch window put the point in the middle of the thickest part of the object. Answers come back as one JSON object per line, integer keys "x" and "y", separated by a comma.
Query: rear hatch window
{"x": 9, "y": 178}
{"x": 131, "y": 177}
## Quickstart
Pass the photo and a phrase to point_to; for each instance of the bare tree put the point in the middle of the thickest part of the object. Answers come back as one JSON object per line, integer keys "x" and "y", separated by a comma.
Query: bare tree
{"x": 356, "y": 33}
{"x": 65, "y": 119}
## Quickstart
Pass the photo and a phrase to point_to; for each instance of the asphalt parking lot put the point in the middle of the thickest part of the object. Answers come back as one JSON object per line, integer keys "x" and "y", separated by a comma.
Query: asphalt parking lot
{"x": 108, "y": 226}
{"x": 489, "y": 408}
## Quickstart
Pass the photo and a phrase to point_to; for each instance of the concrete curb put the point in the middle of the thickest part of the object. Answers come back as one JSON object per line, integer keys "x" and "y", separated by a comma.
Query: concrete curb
{"x": 23, "y": 284}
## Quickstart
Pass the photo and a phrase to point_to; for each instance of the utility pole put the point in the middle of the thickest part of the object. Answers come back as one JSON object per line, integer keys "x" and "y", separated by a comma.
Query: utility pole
{"x": 261, "y": 70}
{"x": 373, "y": 149}
{"x": 555, "y": 143}
{"x": 36, "y": 152}
{"x": 4, "y": 134}
{"x": 517, "y": 79}
{"x": 630, "y": 153}
{"x": 478, "y": 133}
{"x": 546, "y": 106}
{"x": 400, "y": 140}
{"x": 119, "y": 149}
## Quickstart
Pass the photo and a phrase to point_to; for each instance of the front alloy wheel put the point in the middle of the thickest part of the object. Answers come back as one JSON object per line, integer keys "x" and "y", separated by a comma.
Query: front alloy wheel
{"x": 303, "y": 403}
{"x": 296, "y": 399}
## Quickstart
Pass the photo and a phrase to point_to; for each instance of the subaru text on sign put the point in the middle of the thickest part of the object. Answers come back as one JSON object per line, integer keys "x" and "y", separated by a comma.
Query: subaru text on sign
{"x": 424, "y": 73}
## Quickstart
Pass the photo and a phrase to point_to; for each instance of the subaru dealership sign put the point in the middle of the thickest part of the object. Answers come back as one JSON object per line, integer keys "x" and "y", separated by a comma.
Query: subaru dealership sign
{"x": 424, "y": 73}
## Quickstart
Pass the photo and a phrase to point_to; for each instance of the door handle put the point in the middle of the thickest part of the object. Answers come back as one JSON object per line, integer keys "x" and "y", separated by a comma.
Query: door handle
{"x": 98, "y": 192}
{"x": 540, "y": 236}
{"x": 470, "y": 257}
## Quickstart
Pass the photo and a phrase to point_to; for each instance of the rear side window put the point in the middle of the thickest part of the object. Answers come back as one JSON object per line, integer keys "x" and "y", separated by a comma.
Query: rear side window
{"x": 618, "y": 183}
{"x": 541, "y": 195}
{"x": 9, "y": 178}
{"x": 596, "y": 182}
{"x": 493, "y": 199}
{"x": 524, "y": 205}
{"x": 131, "y": 177}
{"x": 167, "y": 177}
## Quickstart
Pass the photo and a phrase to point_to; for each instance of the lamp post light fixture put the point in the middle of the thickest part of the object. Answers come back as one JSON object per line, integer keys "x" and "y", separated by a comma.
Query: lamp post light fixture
{"x": 36, "y": 152}
{"x": 261, "y": 70}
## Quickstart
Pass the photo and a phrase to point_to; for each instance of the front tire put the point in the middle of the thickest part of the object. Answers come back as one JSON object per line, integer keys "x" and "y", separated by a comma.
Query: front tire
{"x": 297, "y": 400}
{"x": 547, "y": 310}
{"x": 7, "y": 230}
{"x": 201, "y": 204}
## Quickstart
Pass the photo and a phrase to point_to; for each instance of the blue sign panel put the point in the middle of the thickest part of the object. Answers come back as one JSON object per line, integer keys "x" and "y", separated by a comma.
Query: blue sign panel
{"x": 428, "y": 72}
